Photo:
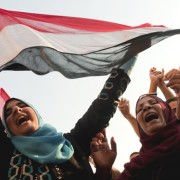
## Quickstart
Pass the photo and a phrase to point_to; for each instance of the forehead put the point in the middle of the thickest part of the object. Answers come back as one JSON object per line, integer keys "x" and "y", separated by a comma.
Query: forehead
{"x": 144, "y": 100}
{"x": 12, "y": 103}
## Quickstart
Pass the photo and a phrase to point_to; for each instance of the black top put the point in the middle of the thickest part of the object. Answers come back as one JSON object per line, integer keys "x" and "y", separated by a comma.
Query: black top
{"x": 16, "y": 166}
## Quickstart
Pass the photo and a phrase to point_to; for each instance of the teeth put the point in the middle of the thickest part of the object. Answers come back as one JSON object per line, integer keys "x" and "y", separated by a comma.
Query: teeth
{"x": 21, "y": 117}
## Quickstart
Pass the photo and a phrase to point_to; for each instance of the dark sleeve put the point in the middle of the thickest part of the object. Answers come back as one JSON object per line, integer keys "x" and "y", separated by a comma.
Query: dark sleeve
{"x": 101, "y": 110}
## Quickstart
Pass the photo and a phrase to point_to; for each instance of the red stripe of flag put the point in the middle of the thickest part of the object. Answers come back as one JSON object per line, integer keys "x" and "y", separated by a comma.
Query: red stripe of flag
{"x": 75, "y": 47}
{"x": 32, "y": 20}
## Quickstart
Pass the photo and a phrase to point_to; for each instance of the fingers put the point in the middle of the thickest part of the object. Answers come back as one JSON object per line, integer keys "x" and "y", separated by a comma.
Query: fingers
{"x": 152, "y": 69}
{"x": 174, "y": 80}
{"x": 113, "y": 145}
{"x": 100, "y": 135}
{"x": 122, "y": 102}
{"x": 104, "y": 138}
{"x": 171, "y": 74}
{"x": 104, "y": 132}
{"x": 156, "y": 75}
{"x": 96, "y": 141}
{"x": 174, "y": 83}
{"x": 95, "y": 144}
{"x": 124, "y": 105}
{"x": 163, "y": 71}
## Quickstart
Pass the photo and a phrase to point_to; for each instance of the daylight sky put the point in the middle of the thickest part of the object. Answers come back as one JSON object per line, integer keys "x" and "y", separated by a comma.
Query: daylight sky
{"x": 63, "y": 101}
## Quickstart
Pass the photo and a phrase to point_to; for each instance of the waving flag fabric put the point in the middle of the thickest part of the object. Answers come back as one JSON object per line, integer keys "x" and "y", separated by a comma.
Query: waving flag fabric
{"x": 75, "y": 47}
{"x": 3, "y": 98}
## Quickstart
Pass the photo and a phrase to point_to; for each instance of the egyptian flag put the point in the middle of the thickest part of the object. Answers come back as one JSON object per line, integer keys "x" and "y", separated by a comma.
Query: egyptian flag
{"x": 75, "y": 47}
{"x": 3, "y": 98}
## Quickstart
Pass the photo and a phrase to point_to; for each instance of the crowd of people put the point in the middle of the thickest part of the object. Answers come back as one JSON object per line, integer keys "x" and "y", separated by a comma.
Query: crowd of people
{"x": 157, "y": 125}
{"x": 32, "y": 149}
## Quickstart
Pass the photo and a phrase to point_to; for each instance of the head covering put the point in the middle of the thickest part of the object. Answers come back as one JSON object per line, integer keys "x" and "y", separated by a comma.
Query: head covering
{"x": 46, "y": 145}
{"x": 157, "y": 147}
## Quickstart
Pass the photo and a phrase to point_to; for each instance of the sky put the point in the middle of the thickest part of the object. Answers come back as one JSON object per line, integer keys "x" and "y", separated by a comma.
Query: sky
{"x": 63, "y": 101}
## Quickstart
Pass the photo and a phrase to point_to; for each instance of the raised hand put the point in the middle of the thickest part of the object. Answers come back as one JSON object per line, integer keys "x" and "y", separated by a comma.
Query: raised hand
{"x": 155, "y": 75}
{"x": 174, "y": 80}
{"x": 171, "y": 74}
{"x": 124, "y": 107}
{"x": 174, "y": 83}
{"x": 102, "y": 154}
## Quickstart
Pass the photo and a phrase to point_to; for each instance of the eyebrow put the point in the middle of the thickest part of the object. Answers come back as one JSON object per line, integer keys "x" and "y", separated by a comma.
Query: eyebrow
{"x": 8, "y": 110}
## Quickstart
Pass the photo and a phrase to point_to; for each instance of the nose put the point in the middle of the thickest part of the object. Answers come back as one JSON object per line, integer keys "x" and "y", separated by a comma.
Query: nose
{"x": 16, "y": 109}
{"x": 147, "y": 107}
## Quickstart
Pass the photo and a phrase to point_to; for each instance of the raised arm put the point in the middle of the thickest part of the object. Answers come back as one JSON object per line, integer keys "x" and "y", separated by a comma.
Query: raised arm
{"x": 101, "y": 110}
{"x": 124, "y": 108}
{"x": 173, "y": 76}
{"x": 154, "y": 76}
{"x": 157, "y": 80}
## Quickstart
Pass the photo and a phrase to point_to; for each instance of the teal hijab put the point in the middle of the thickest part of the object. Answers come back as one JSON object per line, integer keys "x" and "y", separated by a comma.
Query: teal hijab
{"x": 46, "y": 145}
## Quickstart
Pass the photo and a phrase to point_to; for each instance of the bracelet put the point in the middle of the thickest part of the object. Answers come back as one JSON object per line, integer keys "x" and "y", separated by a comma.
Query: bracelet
{"x": 171, "y": 99}
{"x": 152, "y": 93}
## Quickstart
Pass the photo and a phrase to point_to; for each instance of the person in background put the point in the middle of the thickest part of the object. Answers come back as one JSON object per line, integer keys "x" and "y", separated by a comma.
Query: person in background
{"x": 159, "y": 130}
{"x": 36, "y": 150}
{"x": 157, "y": 79}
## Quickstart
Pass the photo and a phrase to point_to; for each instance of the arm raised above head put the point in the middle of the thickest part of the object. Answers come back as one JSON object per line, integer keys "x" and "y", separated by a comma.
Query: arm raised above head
{"x": 101, "y": 110}
{"x": 173, "y": 77}
{"x": 124, "y": 108}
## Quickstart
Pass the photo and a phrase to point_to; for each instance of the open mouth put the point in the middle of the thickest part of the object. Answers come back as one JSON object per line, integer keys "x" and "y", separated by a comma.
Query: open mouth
{"x": 151, "y": 116}
{"x": 21, "y": 120}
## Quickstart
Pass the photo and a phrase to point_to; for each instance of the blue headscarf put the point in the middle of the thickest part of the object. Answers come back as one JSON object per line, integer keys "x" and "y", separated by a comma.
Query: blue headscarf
{"x": 46, "y": 145}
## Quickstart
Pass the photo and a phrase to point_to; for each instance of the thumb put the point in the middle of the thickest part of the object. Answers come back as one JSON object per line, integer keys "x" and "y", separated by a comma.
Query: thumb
{"x": 113, "y": 145}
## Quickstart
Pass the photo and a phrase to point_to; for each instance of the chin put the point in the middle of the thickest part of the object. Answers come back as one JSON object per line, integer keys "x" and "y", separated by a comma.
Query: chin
{"x": 156, "y": 130}
{"x": 29, "y": 131}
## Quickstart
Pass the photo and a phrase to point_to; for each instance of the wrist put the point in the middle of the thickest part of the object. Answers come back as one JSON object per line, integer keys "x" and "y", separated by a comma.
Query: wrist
{"x": 161, "y": 84}
{"x": 171, "y": 99}
{"x": 104, "y": 174}
{"x": 152, "y": 93}
{"x": 127, "y": 116}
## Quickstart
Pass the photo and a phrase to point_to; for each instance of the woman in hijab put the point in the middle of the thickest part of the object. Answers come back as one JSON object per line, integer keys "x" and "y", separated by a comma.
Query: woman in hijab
{"x": 160, "y": 138}
{"x": 34, "y": 150}
{"x": 159, "y": 130}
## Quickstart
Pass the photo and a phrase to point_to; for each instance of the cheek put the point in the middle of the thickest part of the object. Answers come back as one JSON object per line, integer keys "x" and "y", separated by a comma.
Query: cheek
{"x": 10, "y": 127}
{"x": 9, "y": 122}
{"x": 33, "y": 116}
{"x": 140, "y": 120}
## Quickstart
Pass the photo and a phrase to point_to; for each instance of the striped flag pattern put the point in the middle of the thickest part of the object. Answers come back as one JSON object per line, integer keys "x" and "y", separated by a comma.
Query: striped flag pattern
{"x": 75, "y": 47}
